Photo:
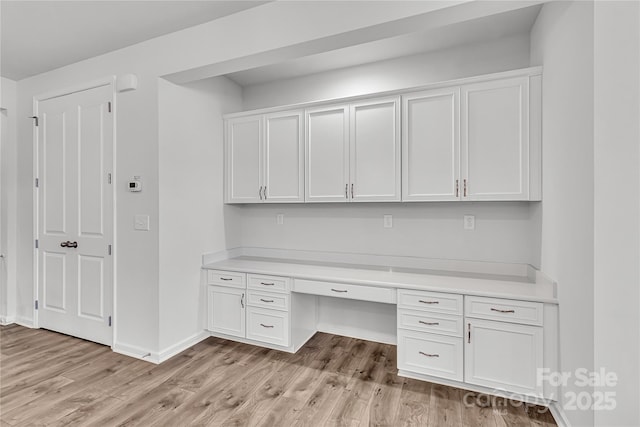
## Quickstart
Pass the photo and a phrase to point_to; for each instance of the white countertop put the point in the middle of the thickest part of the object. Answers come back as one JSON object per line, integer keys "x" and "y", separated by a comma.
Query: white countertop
{"x": 482, "y": 284}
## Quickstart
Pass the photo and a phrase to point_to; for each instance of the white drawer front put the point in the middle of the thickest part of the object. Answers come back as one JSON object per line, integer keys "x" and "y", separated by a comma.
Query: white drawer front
{"x": 430, "y": 301}
{"x": 341, "y": 290}
{"x": 428, "y": 322}
{"x": 268, "y": 300}
{"x": 269, "y": 283}
{"x": 430, "y": 354}
{"x": 226, "y": 278}
{"x": 268, "y": 326}
{"x": 525, "y": 312}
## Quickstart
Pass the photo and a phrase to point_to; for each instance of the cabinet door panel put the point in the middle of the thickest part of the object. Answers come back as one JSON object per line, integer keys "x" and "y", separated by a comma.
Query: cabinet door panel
{"x": 226, "y": 311}
{"x": 375, "y": 150}
{"x": 327, "y": 154}
{"x": 244, "y": 169}
{"x": 504, "y": 356}
{"x": 431, "y": 145}
{"x": 495, "y": 140}
{"x": 284, "y": 158}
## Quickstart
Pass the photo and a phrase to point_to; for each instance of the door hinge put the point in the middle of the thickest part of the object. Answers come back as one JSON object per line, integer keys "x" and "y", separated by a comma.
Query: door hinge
{"x": 37, "y": 183}
{"x": 109, "y": 321}
{"x": 35, "y": 120}
{"x": 109, "y": 106}
{"x": 37, "y": 243}
{"x": 109, "y": 177}
{"x": 36, "y": 304}
{"x": 109, "y": 249}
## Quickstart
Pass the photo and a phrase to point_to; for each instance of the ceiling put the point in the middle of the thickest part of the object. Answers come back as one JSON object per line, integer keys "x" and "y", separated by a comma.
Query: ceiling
{"x": 487, "y": 28}
{"x": 39, "y": 36}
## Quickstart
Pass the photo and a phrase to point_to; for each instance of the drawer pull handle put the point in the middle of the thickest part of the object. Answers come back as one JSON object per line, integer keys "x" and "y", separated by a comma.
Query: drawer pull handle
{"x": 266, "y": 300}
{"x": 267, "y": 284}
{"x": 266, "y": 326}
{"x": 339, "y": 290}
{"x": 503, "y": 311}
{"x": 429, "y": 323}
{"x": 429, "y": 355}
{"x": 225, "y": 279}
{"x": 429, "y": 302}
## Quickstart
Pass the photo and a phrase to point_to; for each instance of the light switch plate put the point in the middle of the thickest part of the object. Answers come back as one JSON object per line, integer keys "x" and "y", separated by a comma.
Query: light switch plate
{"x": 280, "y": 219}
{"x": 469, "y": 222}
{"x": 388, "y": 221}
{"x": 141, "y": 223}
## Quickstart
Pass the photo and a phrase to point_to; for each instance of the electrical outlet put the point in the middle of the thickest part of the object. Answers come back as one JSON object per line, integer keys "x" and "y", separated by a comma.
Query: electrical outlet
{"x": 280, "y": 219}
{"x": 469, "y": 222}
{"x": 388, "y": 221}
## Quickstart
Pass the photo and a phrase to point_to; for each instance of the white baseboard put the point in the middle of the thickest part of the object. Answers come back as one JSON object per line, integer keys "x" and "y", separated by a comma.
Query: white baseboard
{"x": 171, "y": 351}
{"x": 136, "y": 352}
{"x": 24, "y": 321}
{"x": 559, "y": 415}
{"x": 7, "y": 320}
{"x": 362, "y": 334}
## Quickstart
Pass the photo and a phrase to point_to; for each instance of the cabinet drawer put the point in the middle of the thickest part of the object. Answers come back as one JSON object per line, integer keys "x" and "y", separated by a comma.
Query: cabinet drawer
{"x": 270, "y": 326}
{"x": 269, "y": 283}
{"x": 504, "y": 310}
{"x": 226, "y": 278}
{"x": 430, "y": 354}
{"x": 430, "y": 301}
{"x": 341, "y": 290}
{"x": 268, "y": 300}
{"x": 446, "y": 324}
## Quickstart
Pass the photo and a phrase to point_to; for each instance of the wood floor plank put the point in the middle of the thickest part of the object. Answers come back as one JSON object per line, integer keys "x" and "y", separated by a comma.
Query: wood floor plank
{"x": 52, "y": 379}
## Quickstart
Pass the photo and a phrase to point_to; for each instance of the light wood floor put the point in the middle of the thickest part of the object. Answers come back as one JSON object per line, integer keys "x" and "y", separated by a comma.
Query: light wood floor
{"x": 52, "y": 379}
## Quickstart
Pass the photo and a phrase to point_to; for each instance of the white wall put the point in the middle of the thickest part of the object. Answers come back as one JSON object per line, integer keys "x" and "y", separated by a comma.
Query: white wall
{"x": 617, "y": 205}
{"x": 562, "y": 41}
{"x": 8, "y": 177}
{"x": 505, "y": 232}
{"x": 503, "y": 54}
{"x": 192, "y": 218}
{"x": 280, "y": 25}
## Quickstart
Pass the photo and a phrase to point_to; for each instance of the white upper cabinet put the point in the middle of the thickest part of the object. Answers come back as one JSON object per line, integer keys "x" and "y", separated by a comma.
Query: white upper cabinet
{"x": 431, "y": 145}
{"x": 283, "y": 158}
{"x": 353, "y": 152}
{"x": 327, "y": 154}
{"x": 495, "y": 140}
{"x": 244, "y": 165}
{"x": 264, "y": 158}
{"x": 375, "y": 150}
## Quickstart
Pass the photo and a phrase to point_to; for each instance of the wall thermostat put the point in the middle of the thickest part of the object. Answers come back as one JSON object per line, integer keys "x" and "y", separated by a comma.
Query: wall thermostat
{"x": 135, "y": 185}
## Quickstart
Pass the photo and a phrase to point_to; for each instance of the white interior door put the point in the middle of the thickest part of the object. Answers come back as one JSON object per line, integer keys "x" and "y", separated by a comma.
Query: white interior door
{"x": 75, "y": 214}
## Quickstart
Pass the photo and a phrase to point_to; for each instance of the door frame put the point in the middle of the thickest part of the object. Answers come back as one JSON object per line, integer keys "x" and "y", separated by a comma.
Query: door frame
{"x": 105, "y": 81}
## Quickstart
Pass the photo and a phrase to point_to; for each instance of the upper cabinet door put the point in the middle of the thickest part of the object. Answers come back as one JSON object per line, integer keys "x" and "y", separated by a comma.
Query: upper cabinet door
{"x": 495, "y": 140}
{"x": 327, "y": 154}
{"x": 431, "y": 145}
{"x": 375, "y": 150}
{"x": 244, "y": 167}
{"x": 284, "y": 158}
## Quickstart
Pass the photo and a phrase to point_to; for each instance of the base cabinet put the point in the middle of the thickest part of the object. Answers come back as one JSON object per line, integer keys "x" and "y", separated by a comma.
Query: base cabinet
{"x": 430, "y": 354}
{"x": 226, "y": 313}
{"x": 504, "y": 356}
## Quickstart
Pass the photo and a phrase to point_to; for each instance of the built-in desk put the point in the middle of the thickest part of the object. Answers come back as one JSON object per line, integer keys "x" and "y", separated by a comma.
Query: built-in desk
{"x": 489, "y": 331}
